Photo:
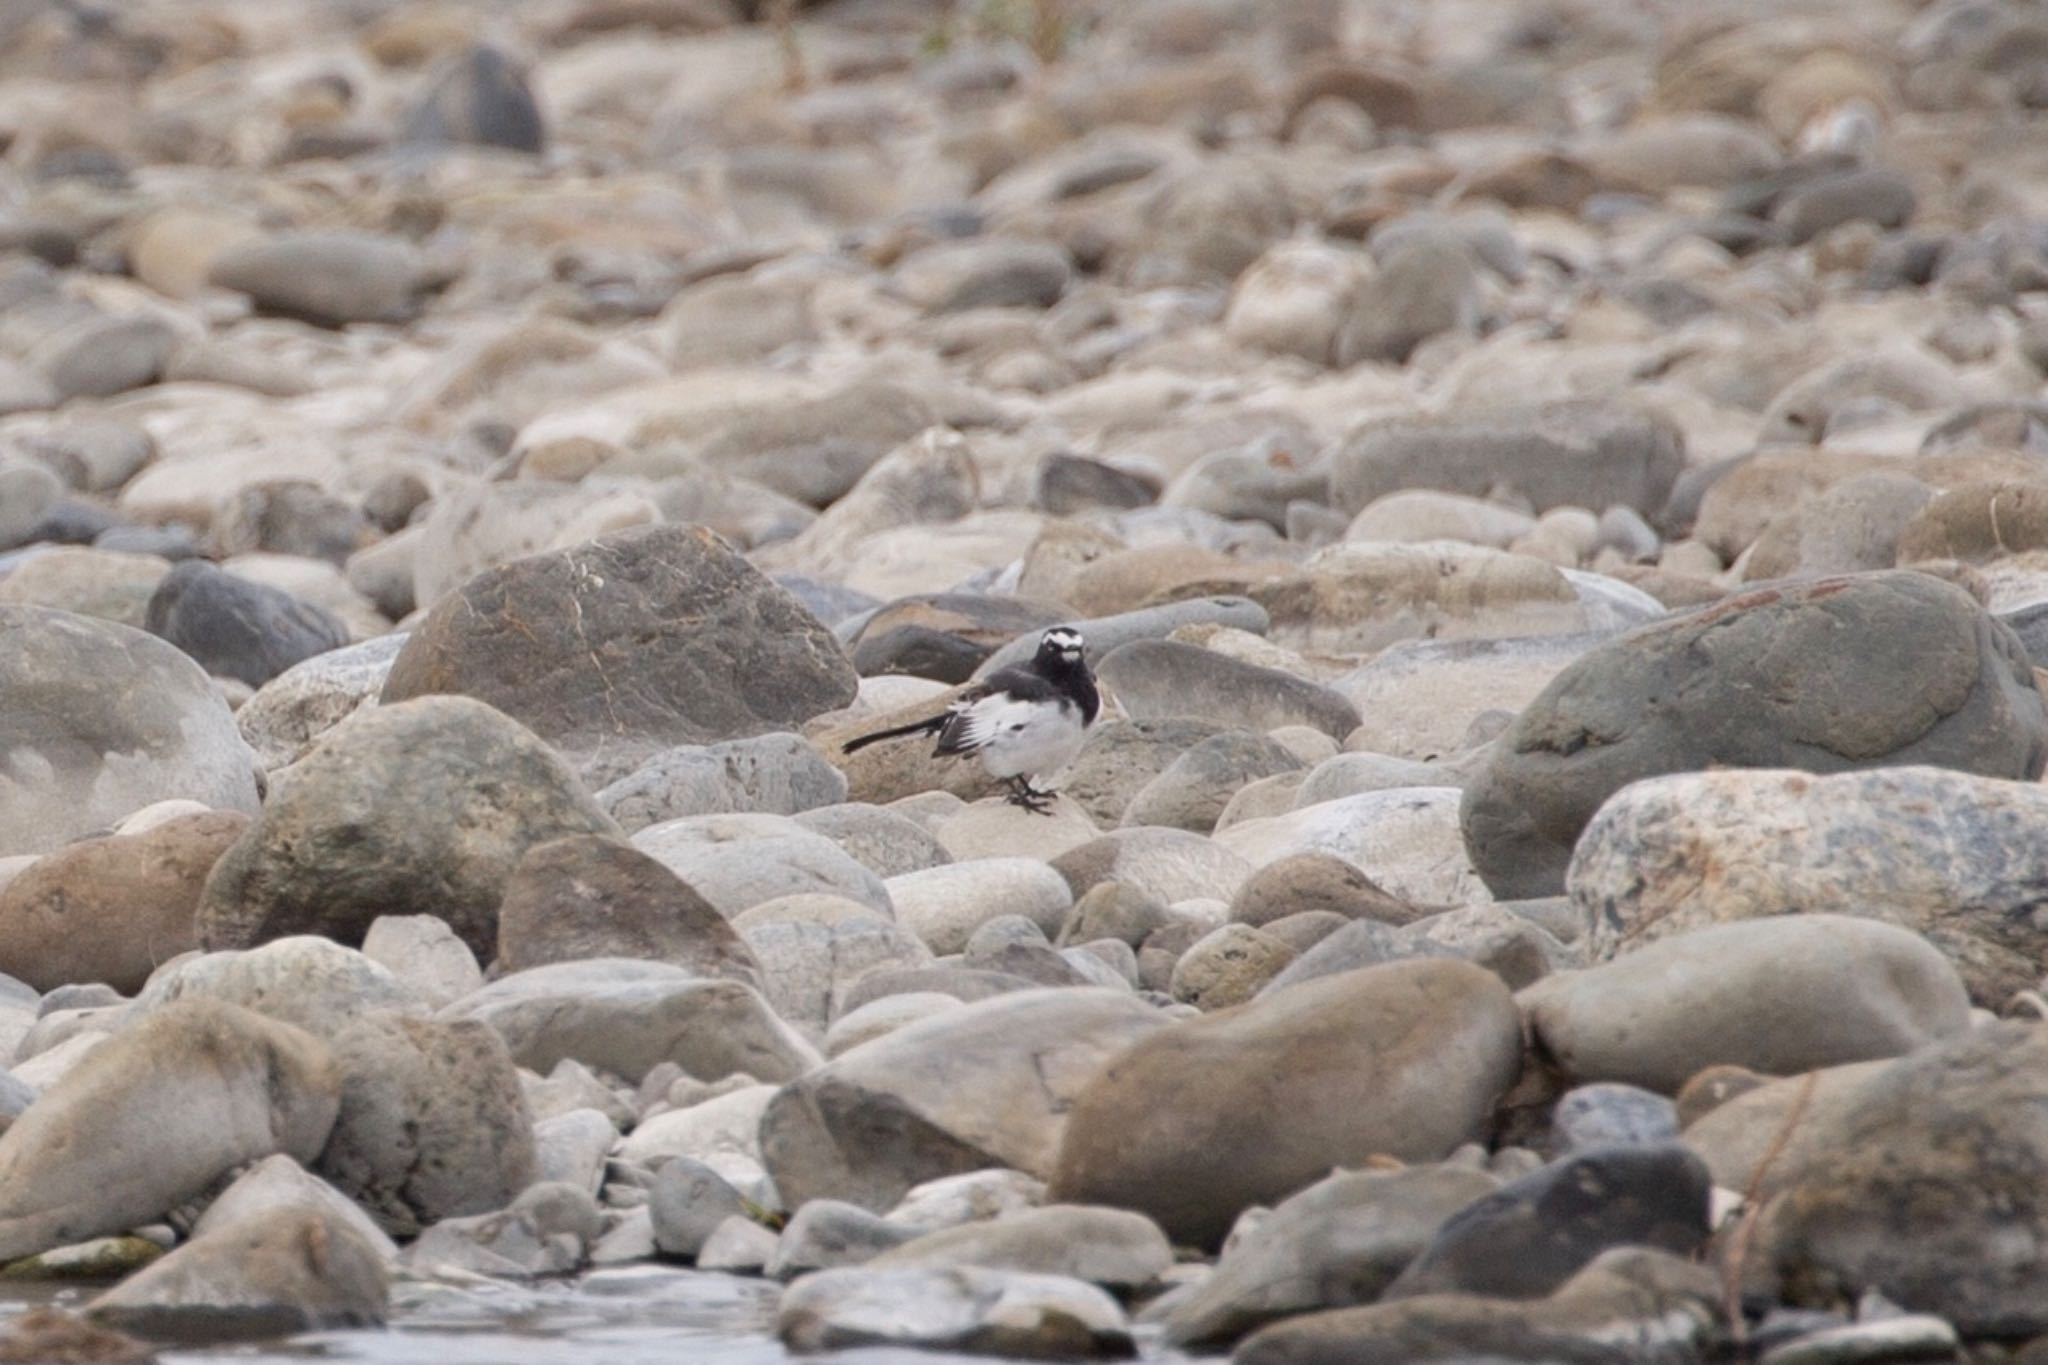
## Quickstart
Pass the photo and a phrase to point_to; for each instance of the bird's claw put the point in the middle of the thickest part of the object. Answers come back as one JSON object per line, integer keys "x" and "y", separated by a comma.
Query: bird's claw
{"x": 1030, "y": 798}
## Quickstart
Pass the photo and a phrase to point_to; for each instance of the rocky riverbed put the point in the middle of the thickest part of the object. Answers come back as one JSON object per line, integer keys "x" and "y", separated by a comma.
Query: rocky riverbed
{"x": 1556, "y": 497}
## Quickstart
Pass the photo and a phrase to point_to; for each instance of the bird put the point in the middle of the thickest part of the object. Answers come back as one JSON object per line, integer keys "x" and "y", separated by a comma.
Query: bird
{"x": 1023, "y": 720}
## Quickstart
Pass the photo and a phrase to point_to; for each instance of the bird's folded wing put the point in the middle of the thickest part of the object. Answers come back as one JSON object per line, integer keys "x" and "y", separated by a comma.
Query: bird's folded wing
{"x": 979, "y": 722}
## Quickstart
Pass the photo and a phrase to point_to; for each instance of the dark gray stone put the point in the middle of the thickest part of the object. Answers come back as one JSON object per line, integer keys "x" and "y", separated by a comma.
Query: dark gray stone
{"x": 238, "y": 629}
{"x": 1608, "y": 1114}
{"x": 1529, "y": 1237}
{"x": 479, "y": 98}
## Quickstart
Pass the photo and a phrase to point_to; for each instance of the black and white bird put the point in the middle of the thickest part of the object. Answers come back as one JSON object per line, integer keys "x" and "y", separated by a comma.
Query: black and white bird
{"x": 1023, "y": 720}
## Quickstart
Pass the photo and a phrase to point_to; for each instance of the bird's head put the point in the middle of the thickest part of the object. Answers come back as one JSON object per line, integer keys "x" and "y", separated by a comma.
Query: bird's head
{"x": 1062, "y": 643}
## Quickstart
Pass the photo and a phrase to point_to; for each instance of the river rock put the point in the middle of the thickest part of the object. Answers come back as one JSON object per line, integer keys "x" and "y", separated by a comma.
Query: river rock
{"x": 986, "y": 1085}
{"x": 1661, "y": 1307}
{"x": 1303, "y": 883}
{"x": 424, "y": 806}
{"x": 1834, "y": 989}
{"x": 775, "y": 773}
{"x": 91, "y": 582}
{"x": 945, "y": 905}
{"x": 1405, "y": 839}
{"x": 433, "y": 1122}
{"x": 290, "y": 713}
{"x": 1120, "y": 757}
{"x": 1419, "y": 698}
{"x": 952, "y": 1200}
{"x": 1119, "y": 1250}
{"x": 1228, "y": 966}
{"x": 739, "y": 861}
{"x": 305, "y": 979}
{"x": 1195, "y": 1124}
{"x": 814, "y": 950}
{"x": 270, "y": 1273}
{"x": 328, "y": 278}
{"x": 689, "y": 1200}
{"x": 425, "y": 955}
{"x": 1336, "y": 1244}
{"x": 984, "y": 272}
{"x": 171, "y": 1104}
{"x": 27, "y": 493}
{"x": 1195, "y": 789}
{"x": 627, "y": 1017}
{"x": 591, "y": 896}
{"x": 826, "y": 1233}
{"x": 1607, "y": 1113}
{"x": 1977, "y": 522}
{"x": 1670, "y": 697}
{"x": 1356, "y": 597}
{"x": 1107, "y": 634}
{"x": 479, "y": 98}
{"x": 278, "y": 1182}
{"x": 1957, "y": 1123}
{"x": 1423, "y": 287}
{"x": 1526, "y": 1239}
{"x": 1577, "y": 453}
{"x": 106, "y": 720}
{"x": 547, "y": 1230}
{"x": 966, "y": 1309}
{"x": 886, "y": 842}
{"x": 737, "y": 1246}
{"x": 1168, "y": 864}
{"x": 112, "y": 909}
{"x": 1154, "y": 679}
{"x": 1877, "y": 845}
{"x": 629, "y": 644}
{"x": 816, "y": 449}
{"x": 474, "y": 526}
{"x": 996, "y": 829}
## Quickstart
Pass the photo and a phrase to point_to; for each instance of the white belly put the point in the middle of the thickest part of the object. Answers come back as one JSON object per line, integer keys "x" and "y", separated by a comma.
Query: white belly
{"x": 1030, "y": 741}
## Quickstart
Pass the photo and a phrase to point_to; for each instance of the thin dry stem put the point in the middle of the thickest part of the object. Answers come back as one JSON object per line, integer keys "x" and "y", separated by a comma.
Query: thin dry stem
{"x": 1745, "y": 1231}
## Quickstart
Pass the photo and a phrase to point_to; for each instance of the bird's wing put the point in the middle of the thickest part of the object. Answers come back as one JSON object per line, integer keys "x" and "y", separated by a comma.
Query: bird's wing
{"x": 976, "y": 723}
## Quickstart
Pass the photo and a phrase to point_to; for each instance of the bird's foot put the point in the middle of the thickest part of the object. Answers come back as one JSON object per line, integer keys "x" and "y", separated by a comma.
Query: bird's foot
{"x": 1022, "y": 793}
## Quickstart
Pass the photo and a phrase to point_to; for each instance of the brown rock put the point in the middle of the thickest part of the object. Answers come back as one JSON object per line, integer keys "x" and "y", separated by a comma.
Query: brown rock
{"x": 112, "y": 909}
{"x": 590, "y": 896}
{"x": 1243, "y": 1107}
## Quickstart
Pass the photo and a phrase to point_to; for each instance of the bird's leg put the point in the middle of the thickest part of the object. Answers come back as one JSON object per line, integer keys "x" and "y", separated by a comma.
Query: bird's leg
{"x": 1022, "y": 793}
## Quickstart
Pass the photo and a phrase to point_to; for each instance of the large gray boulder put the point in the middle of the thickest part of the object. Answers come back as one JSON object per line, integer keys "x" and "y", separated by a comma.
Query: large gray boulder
{"x": 97, "y": 721}
{"x": 627, "y": 645}
{"x": 1858, "y": 671}
{"x": 424, "y": 807}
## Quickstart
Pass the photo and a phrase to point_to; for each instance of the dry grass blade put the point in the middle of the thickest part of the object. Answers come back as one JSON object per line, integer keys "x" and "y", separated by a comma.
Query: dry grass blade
{"x": 1745, "y": 1230}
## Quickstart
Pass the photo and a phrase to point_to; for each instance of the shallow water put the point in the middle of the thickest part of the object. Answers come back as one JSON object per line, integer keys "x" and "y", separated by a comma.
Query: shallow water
{"x": 636, "y": 1315}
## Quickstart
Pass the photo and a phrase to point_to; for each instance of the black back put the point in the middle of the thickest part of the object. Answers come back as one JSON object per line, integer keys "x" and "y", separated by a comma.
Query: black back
{"x": 1050, "y": 676}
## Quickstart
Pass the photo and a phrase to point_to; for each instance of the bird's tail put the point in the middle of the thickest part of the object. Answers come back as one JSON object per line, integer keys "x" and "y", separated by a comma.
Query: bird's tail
{"x": 930, "y": 726}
